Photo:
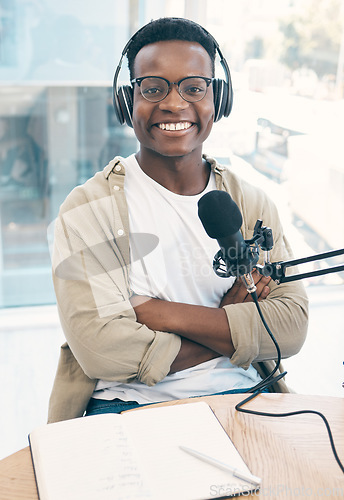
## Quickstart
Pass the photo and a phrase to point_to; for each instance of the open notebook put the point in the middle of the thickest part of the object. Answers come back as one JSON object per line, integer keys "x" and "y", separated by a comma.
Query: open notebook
{"x": 136, "y": 455}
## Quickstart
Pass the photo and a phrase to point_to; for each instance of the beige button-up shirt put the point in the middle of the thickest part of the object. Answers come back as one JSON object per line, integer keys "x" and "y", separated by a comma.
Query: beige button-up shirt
{"x": 91, "y": 279}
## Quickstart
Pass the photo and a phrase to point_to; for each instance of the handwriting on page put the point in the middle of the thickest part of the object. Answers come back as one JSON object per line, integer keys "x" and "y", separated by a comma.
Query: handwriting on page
{"x": 100, "y": 469}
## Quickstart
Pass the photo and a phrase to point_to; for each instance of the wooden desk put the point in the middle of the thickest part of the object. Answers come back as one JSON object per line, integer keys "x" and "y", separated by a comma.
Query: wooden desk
{"x": 292, "y": 455}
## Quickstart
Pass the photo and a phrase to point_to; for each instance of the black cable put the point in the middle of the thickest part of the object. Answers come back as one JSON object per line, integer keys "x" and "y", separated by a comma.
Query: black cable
{"x": 291, "y": 413}
{"x": 269, "y": 380}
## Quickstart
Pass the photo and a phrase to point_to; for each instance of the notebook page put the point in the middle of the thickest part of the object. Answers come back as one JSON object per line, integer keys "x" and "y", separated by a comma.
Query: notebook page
{"x": 158, "y": 433}
{"x": 86, "y": 458}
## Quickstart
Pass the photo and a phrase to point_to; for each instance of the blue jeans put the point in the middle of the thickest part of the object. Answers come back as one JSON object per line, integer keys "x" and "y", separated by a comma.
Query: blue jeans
{"x": 97, "y": 406}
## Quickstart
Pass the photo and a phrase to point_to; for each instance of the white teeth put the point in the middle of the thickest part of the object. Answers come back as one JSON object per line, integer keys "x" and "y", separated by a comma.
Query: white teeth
{"x": 175, "y": 126}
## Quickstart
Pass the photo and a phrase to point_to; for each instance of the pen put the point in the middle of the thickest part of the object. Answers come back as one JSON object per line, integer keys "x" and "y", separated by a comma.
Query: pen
{"x": 221, "y": 465}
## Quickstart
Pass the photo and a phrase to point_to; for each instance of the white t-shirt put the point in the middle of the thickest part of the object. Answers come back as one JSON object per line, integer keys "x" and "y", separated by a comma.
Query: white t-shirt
{"x": 171, "y": 259}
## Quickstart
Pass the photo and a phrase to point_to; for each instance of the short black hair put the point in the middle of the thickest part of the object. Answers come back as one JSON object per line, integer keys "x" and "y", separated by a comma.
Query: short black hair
{"x": 170, "y": 28}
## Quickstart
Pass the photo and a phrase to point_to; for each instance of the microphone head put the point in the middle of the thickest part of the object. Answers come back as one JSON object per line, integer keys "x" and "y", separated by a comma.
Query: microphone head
{"x": 219, "y": 214}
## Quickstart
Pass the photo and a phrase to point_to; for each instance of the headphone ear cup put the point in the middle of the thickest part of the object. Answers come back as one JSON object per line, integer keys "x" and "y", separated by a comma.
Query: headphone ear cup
{"x": 216, "y": 99}
{"x": 117, "y": 107}
{"x": 229, "y": 98}
{"x": 221, "y": 99}
{"x": 224, "y": 99}
{"x": 125, "y": 105}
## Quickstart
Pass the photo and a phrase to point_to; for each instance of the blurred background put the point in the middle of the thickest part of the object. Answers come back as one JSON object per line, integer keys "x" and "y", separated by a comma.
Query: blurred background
{"x": 57, "y": 128}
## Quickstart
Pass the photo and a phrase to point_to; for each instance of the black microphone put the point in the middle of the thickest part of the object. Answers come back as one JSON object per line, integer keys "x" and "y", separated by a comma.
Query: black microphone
{"x": 221, "y": 219}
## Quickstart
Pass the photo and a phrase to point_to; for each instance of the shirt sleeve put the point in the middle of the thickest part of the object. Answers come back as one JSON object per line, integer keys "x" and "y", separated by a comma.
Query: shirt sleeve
{"x": 286, "y": 307}
{"x": 90, "y": 277}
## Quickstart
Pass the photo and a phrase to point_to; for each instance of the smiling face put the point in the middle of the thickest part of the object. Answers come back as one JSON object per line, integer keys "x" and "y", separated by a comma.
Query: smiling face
{"x": 172, "y": 127}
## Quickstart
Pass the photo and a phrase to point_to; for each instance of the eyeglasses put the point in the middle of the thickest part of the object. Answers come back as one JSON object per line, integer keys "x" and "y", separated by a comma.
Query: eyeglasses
{"x": 156, "y": 88}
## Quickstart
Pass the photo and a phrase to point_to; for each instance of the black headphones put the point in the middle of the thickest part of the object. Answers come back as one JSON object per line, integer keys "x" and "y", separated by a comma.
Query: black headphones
{"x": 123, "y": 96}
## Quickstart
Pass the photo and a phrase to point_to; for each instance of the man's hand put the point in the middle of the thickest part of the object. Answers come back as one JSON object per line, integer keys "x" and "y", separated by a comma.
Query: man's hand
{"x": 238, "y": 293}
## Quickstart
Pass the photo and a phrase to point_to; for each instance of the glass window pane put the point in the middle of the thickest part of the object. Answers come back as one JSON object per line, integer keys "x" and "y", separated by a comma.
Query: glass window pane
{"x": 287, "y": 66}
{"x": 57, "y": 125}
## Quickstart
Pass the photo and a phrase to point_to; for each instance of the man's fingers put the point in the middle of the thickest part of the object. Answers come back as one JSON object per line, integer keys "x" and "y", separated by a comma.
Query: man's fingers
{"x": 264, "y": 293}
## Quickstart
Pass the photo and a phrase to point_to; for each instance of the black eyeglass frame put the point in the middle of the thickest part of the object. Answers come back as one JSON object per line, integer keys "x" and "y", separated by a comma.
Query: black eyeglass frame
{"x": 208, "y": 81}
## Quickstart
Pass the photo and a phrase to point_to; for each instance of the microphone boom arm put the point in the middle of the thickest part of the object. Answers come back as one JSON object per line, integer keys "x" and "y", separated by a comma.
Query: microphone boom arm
{"x": 276, "y": 270}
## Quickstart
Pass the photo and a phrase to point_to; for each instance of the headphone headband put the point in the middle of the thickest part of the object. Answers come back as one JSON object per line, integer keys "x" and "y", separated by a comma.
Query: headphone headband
{"x": 123, "y": 96}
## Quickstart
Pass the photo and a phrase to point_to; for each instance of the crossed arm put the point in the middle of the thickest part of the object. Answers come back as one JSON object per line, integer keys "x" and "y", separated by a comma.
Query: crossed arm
{"x": 204, "y": 331}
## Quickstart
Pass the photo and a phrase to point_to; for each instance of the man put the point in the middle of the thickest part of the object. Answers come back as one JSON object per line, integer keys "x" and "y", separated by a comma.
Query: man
{"x": 145, "y": 317}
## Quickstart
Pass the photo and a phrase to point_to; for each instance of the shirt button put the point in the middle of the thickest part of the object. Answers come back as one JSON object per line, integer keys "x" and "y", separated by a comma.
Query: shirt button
{"x": 118, "y": 168}
{"x": 120, "y": 232}
{"x": 116, "y": 188}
